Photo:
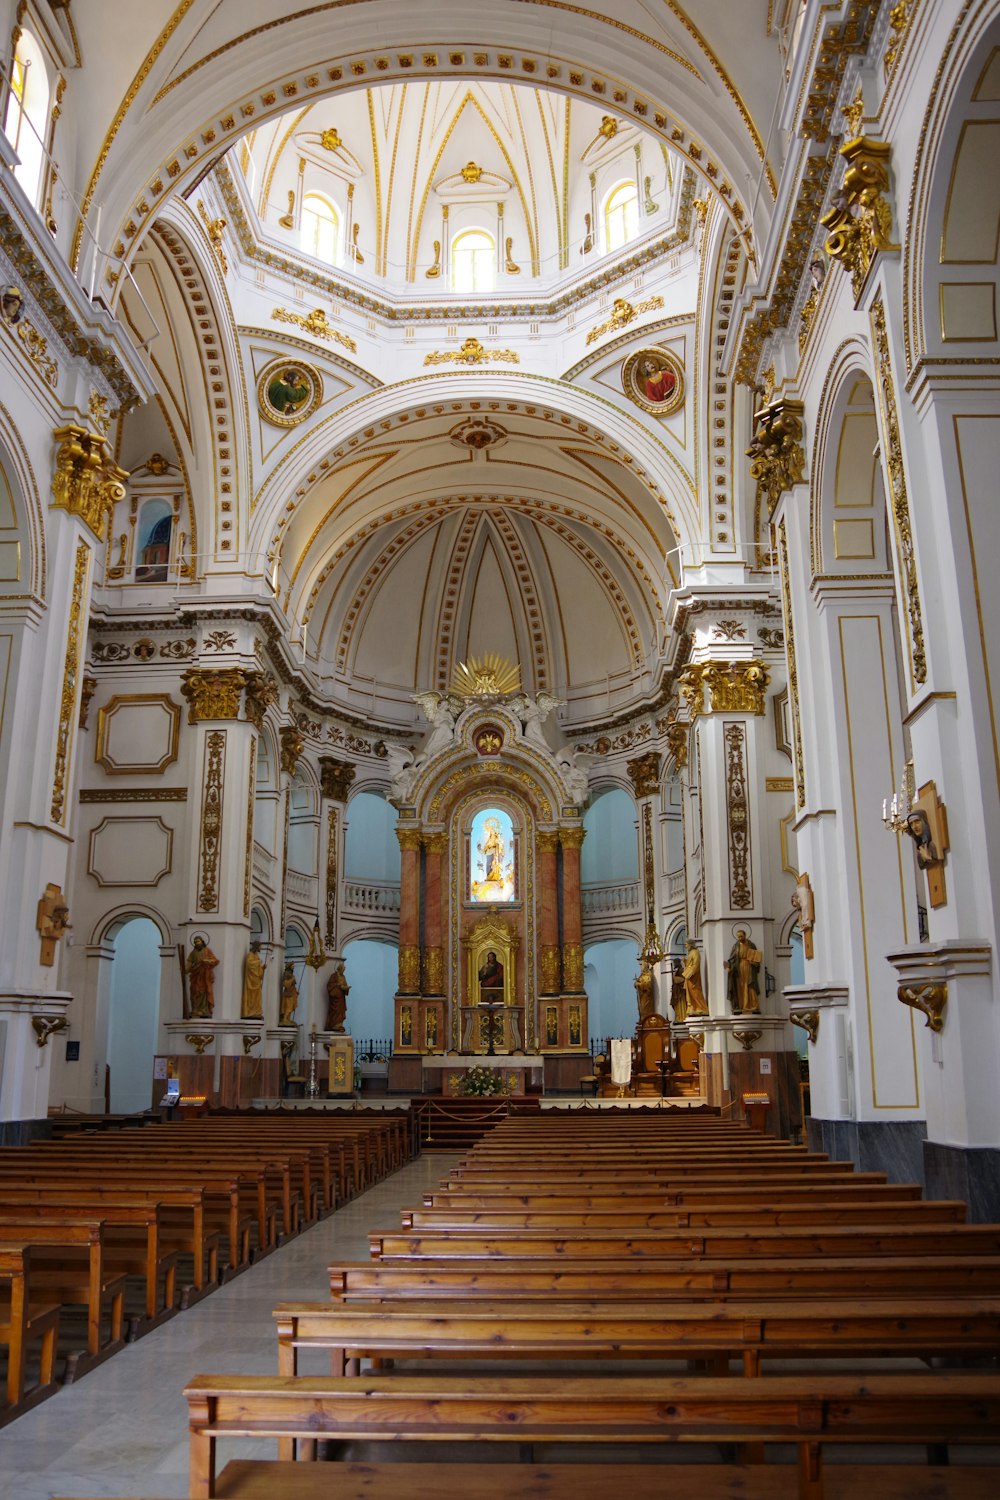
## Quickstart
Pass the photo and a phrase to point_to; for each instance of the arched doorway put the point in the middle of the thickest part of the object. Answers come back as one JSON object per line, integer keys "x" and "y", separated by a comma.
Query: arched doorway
{"x": 133, "y": 1014}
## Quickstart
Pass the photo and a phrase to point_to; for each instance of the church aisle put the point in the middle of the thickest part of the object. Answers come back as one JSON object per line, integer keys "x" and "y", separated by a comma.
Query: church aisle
{"x": 122, "y": 1430}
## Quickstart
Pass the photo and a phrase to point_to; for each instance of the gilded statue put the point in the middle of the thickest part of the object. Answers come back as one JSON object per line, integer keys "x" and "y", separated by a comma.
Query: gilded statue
{"x": 289, "y": 997}
{"x": 645, "y": 991}
{"x": 337, "y": 991}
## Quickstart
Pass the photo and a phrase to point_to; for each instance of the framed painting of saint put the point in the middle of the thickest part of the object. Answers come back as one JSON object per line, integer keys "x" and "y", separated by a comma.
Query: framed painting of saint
{"x": 654, "y": 379}
{"x": 288, "y": 391}
{"x": 492, "y": 861}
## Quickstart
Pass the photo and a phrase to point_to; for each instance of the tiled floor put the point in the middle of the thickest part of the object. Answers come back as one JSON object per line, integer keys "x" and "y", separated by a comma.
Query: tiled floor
{"x": 122, "y": 1429}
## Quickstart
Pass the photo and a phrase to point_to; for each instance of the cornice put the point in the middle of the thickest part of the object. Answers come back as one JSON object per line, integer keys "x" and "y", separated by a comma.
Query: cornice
{"x": 335, "y": 288}
{"x": 85, "y": 329}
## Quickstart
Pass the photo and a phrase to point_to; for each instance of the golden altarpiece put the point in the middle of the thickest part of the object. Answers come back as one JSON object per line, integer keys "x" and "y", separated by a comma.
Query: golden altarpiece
{"x": 491, "y": 925}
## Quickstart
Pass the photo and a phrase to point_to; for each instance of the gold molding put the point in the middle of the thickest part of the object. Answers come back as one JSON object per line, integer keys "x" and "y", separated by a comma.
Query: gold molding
{"x": 251, "y": 804}
{"x": 472, "y": 353}
{"x": 798, "y": 756}
{"x": 108, "y": 711}
{"x": 860, "y": 225}
{"x": 90, "y": 795}
{"x": 210, "y": 844}
{"x": 623, "y": 313}
{"x": 317, "y": 325}
{"x": 68, "y": 711}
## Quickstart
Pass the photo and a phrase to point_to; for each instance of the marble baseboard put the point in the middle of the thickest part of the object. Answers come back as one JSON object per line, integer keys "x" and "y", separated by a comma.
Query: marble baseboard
{"x": 23, "y": 1132}
{"x": 969, "y": 1172}
{"x": 895, "y": 1147}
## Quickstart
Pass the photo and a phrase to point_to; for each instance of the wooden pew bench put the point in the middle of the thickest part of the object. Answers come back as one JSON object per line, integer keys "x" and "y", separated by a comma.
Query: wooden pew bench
{"x": 807, "y": 1412}
{"x": 832, "y": 1211}
{"x": 750, "y": 1331}
{"x": 651, "y": 1280}
{"x": 844, "y": 1191}
{"x": 24, "y": 1318}
{"x": 68, "y": 1267}
{"x": 947, "y": 1241}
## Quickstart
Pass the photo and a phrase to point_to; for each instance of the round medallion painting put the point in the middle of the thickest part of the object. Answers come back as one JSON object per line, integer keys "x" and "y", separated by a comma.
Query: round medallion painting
{"x": 654, "y": 380}
{"x": 287, "y": 391}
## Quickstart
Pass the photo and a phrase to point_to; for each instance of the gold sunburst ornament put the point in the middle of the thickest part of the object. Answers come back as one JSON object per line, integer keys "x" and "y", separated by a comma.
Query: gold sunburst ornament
{"x": 490, "y": 676}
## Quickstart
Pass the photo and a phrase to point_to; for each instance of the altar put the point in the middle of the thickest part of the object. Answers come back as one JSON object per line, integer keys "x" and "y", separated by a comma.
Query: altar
{"x": 491, "y": 919}
{"x": 522, "y": 1073}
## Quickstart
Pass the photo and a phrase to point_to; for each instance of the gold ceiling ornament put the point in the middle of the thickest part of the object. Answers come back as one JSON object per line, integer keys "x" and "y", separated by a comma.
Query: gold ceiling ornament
{"x": 622, "y": 314}
{"x": 100, "y": 412}
{"x": 777, "y": 457}
{"x": 87, "y": 481}
{"x": 317, "y": 324}
{"x": 854, "y": 112}
{"x": 899, "y": 20}
{"x": 471, "y": 172}
{"x": 608, "y": 127}
{"x": 214, "y": 228}
{"x": 330, "y": 139}
{"x": 478, "y": 433}
{"x": 490, "y": 676}
{"x": 472, "y": 353}
{"x": 860, "y": 222}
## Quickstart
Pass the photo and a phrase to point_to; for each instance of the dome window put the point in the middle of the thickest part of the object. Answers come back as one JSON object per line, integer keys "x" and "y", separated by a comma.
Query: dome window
{"x": 320, "y": 228}
{"x": 621, "y": 216}
{"x": 473, "y": 262}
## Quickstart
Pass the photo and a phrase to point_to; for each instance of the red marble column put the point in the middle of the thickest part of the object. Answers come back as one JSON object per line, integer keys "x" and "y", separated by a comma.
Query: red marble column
{"x": 409, "y": 910}
{"x": 435, "y": 848}
{"x": 549, "y": 957}
{"x": 571, "y": 840}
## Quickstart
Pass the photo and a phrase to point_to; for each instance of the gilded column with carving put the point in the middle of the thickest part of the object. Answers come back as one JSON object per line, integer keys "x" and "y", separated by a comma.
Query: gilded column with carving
{"x": 336, "y": 779}
{"x": 571, "y": 840}
{"x": 549, "y": 954}
{"x": 410, "y": 842}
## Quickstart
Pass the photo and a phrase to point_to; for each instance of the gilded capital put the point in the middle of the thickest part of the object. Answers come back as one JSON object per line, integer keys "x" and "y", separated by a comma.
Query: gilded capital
{"x": 572, "y": 838}
{"x": 87, "y": 482}
{"x": 644, "y": 773}
{"x": 692, "y": 686}
{"x": 409, "y": 838}
{"x": 292, "y": 746}
{"x": 860, "y": 222}
{"x": 738, "y": 687}
{"x": 336, "y": 777}
{"x": 436, "y": 843}
{"x": 213, "y": 695}
{"x": 547, "y": 841}
{"x": 777, "y": 457}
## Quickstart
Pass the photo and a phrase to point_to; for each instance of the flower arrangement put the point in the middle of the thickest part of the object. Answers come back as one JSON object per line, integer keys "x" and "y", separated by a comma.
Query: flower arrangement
{"x": 483, "y": 1082}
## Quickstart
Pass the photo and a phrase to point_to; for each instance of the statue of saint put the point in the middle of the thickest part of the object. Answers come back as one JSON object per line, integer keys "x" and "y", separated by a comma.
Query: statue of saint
{"x": 742, "y": 971}
{"x": 252, "y": 1005}
{"x": 645, "y": 991}
{"x": 201, "y": 966}
{"x": 694, "y": 995}
{"x": 337, "y": 991}
{"x": 490, "y": 976}
{"x": 289, "y": 997}
{"x": 678, "y": 998}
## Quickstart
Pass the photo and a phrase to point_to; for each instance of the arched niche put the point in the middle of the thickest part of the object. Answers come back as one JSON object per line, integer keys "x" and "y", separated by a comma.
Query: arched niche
{"x": 849, "y": 517}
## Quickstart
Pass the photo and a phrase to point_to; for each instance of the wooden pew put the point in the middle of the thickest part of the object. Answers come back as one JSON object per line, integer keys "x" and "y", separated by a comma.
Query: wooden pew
{"x": 686, "y": 1277}
{"x": 832, "y": 1211}
{"x": 68, "y": 1267}
{"x": 947, "y": 1241}
{"x": 749, "y": 1331}
{"x": 722, "y": 1193}
{"x": 808, "y": 1412}
{"x": 22, "y": 1319}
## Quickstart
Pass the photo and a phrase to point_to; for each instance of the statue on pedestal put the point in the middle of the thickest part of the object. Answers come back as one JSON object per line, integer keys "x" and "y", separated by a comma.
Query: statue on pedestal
{"x": 742, "y": 971}
{"x": 337, "y": 991}
{"x": 289, "y": 997}
{"x": 252, "y": 1004}
{"x": 694, "y": 995}
{"x": 201, "y": 966}
{"x": 645, "y": 991}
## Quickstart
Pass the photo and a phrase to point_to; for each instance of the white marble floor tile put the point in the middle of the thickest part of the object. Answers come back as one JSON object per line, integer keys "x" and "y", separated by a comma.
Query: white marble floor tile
{"x": 122, "y": 1429}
